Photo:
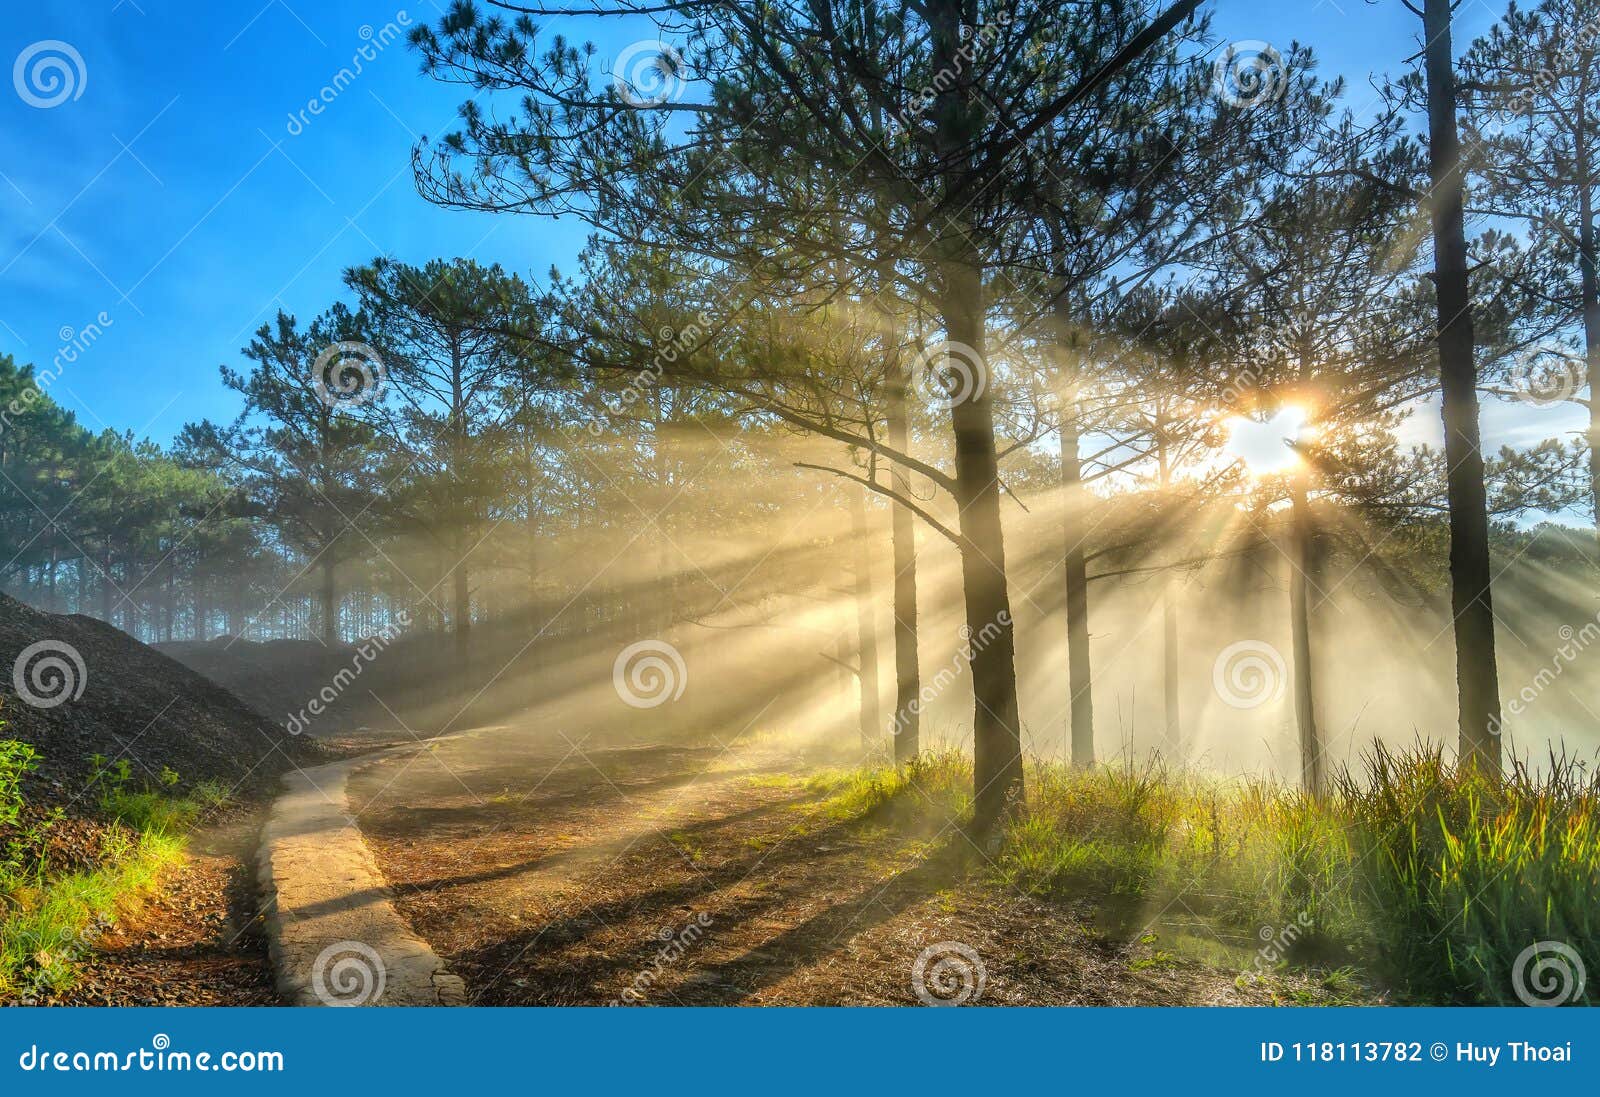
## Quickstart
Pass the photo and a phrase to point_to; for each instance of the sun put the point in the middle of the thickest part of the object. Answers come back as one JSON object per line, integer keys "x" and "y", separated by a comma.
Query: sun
{"x": 1267, "y": 447}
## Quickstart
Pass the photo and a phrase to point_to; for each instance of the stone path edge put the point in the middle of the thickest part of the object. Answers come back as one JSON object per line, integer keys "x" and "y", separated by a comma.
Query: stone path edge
{"x": 333, "y": 933}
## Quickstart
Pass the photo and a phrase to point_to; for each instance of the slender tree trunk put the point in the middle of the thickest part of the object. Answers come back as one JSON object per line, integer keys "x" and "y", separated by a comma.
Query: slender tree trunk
{"x": 661, "y": 468}
{"x": 1588, "y": 254}
{"x": 1477, "y": 678}
{"x": 169, "y": 601}
{"x": 1300, "y": 567}
{"x": 106, "y": 587}
{"x": 959, "y": 112}
{"x": 202, "y": 607}
{"x": 1170, "y": 698}
{"x": 907, "y": 674}
{"x": 130, "y": 608}
{"x": 330, "y": 601}
{"x": 462, "y": 612}
{"x": 534, "y": 619}
{"x": 841, "y": 664}
{"x": 996, "y": 733}
{"x": 866, "y": 621}
{"x": 1169, "y": 616}
{"x": 1075, "y": 569}
{"x": 50, "y": 579}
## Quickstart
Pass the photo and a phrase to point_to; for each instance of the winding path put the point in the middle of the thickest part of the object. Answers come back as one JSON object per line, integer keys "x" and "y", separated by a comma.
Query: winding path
{"x": 334, "y": 934}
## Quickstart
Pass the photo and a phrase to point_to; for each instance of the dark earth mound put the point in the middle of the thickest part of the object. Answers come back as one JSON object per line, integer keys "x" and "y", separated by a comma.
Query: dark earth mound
{"x": 278, "y": 678}
{"x": 86, "y": 688}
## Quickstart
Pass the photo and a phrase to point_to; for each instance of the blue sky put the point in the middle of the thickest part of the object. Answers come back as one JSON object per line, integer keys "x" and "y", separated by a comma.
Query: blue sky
{"x": 171, "y": 195}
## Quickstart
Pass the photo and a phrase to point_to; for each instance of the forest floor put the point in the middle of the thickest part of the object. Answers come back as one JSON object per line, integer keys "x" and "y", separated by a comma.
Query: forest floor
{"x": 556, "y": 870}
{"x": 196, "y": 940}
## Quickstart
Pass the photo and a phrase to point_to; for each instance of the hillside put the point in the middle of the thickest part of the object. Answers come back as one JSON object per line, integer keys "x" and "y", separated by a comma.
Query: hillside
{"x": 87, "y": 688}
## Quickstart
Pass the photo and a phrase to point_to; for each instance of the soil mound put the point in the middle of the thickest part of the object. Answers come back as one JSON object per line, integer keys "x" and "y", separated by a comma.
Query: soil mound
{"x": 74, "y": 687}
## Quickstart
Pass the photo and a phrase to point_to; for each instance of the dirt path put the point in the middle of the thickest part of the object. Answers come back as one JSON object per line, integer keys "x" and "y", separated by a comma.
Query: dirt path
{"x": 198, "y": 938}
{"x": 548, "y": 870}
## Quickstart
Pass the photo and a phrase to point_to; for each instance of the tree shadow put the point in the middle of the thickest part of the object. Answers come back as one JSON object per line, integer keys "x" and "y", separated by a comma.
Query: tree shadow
{"x": 554, "y": 966}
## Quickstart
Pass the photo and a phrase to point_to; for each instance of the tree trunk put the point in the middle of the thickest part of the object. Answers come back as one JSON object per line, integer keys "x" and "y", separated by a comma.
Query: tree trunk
{"x": 330, "y": 601}
{"x": 907, "y": 674}
{"x": 202, "y": 607}
{"x": 169, "y": 601}
{"x": 1170, "y": 677}
{"x": 1587, "y": 258}
{"x": 1477, "y": 679}
{"x": 1305, "y": 711}
{"x": 996, "y": 735}
{"x": 106, "y": 587}
{"x": 842, "y": 672}
{"x": 1076, "y": 573}
{"x": 534, "y": 617}
{"x": 462, "y": 612}
{"x": 866, "y": 623}
{"x": 959, "y": 112}
{"x": 130, "y": 608}
{"x": 1173, "y": 728}
{"x": 665, "y": 581}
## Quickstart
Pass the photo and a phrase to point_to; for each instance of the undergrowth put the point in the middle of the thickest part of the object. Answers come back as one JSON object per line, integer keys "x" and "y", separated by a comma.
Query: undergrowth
{"x": 49, "y": 917}
{"x": 1434, "y": 884}
{"x": 934, "y": 784}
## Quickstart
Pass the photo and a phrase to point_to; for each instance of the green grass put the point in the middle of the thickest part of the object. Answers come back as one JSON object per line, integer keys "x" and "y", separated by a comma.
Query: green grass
{"x": 48, "y": 920}
{"x": 146, "y": 811}
{"x": 935, "y": 784}
{"x": 50, "y": 924}
{"x": 1477, "y": 871}
{"x": 1406, "y": 875}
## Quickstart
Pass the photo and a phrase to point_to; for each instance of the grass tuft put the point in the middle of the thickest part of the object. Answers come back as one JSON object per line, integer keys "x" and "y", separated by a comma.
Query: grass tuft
{"x": 48, "y": 922}
{"x": 932, "y": 785}
{"x": 1407, "y": 874}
